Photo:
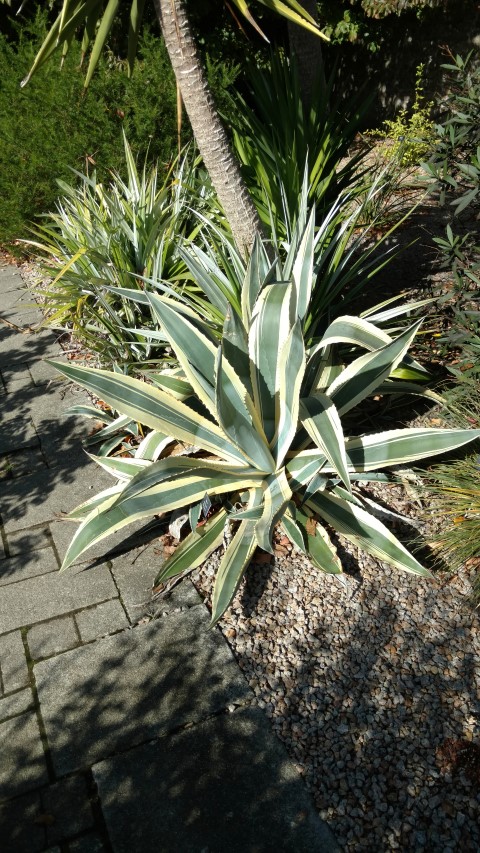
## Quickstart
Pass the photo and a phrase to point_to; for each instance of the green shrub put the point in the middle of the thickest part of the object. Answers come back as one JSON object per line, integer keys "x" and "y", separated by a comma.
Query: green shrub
{"x": 454, "y": 170}
{"x": 264, "y": 414}
{"x": 411, "y": 136}
{"x": 51, "y": 126}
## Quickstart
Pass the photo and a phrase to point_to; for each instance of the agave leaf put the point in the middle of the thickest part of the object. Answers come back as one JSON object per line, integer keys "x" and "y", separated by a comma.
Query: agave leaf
{"x": 302, "y": 271}
{"x": 107, "y": 496}
{"x": 363, "y": 375}
{"x": 90, "y": 412}
{"x": 235, "y": 348}
{"x": 235, "y": 561}
{"x": 321, "y": 550}
{"x": 121, "y": 467}
{"x": 153, "y": 408}
{"x": 293, "y": 530}
{"x": 352, "y": 330}
{"x": 276, "y": 496}
{"x": 268, "y": 333}
{"x": 234, "y": 419}
{"x": 364, "y": 530}
{"x": 303, "y": 465}
{"x": 397, "y": 447}
{"x": 258, "y": 272}
{"x": 122, "y": 422}
{"x": 174, "y": 385}
{"x": 195, "y": 548}
{"x": 290, "y": 373}
{"x": 320, "y": 418}
{"x": 195, "y": 351}
{"x": 174, "y": 467}
{"x": 152, "y": 446}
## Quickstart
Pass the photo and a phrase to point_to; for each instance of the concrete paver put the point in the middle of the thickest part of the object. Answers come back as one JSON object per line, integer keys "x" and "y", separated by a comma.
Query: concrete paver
{"x": 17, "y": 434}
{"x": 48, "y": 596}
{"x": 20, "y": 832}
{"x": 15, "y": 703}
{"x": 52, "y": 638}
{"x": 135, "y": 573}
{"x": 27, "y": 539}
{"x": 39, "y": 498}
{"x": 23, "y": 765}
{"x": 13, "y": 569}
{"x": 101, "y": 620}
{"x": 134, "y": 686}
{"x": 68, "y": 803}
{"x": 13, "y": 663}
{"x": 204, "y": 778}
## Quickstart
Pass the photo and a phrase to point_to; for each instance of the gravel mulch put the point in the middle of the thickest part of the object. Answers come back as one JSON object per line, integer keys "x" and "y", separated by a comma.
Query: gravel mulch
{"x": 374, "y": 689}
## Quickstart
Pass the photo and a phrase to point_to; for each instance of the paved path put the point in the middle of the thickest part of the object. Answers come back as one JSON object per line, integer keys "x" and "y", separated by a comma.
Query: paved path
{"x": 116, "y": 733}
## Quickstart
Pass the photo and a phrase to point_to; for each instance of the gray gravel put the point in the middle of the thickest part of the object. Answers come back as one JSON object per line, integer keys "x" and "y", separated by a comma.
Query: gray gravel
{"x": 364, "y": 683}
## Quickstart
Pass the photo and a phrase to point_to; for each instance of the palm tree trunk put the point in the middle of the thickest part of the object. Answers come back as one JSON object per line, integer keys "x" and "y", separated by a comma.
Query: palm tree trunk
{"x": 208, "y": 130}
{"x": 307, "y": 50}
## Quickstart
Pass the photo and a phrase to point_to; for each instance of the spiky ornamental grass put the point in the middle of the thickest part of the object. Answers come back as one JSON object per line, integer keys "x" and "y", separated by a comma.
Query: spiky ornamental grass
{"x": 264, "y": 414}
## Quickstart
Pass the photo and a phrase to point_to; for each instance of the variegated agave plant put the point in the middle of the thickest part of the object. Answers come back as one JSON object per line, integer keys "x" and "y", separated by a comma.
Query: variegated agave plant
{"x": 263, "y": 414}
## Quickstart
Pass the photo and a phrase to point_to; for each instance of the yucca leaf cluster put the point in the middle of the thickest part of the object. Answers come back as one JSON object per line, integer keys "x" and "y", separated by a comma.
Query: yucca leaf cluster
{"x": 261, "y": 413}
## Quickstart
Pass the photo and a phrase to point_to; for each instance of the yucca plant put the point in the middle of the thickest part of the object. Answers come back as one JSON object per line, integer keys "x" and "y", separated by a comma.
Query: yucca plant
{"x": 275, "y": 135}
{"x": 262, "y": 415}
{"x": 121, "y": 235}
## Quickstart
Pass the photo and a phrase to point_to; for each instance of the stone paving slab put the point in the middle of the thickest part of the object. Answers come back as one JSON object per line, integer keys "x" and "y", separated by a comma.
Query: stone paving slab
{"x": 28, "y": 539}
{"x": 129, "y": 539}
{"x": 135, "y": 573}
{"x": 16, "y": 433}
{"x": 13, "y": 663}
{"x": 91, "y": 843}
{"x": 16, "y": 703}
{"x": 15, "y": 346}
{"x": 129, "y": 688}
{"x": 41, "y": 497}
{"x": 23, "y": 766}
{"x": 23, "y": 566}
{"x": 52, "y": 638}
{"x": 56, "y": 594}
{"x": 210, "y": 788}
{"x": 19, "y": 831}
{"x": 37, "y": 820}
{"x": 68, "y": 803}
{"x": 101, "y": 620}
{"x": 21, "y": 463}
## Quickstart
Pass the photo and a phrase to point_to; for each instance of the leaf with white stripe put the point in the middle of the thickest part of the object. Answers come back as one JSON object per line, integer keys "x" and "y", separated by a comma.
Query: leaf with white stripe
{"x": 153, "y": 408}
{"x": 269, "y": 331}
{"x": 276, "y": 496}
{"x": 396, "y": 447}
{"x": 291, "y": 369}
{"x": 365, "y": 374}
{"x": 302, "y": 271}
{"x": 320, "y": 418}
{"x": 195, "y": 548}
{"x": 364, "y": 530}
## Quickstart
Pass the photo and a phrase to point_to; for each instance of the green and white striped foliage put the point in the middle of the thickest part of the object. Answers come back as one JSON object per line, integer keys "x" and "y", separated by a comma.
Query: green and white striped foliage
{"x": 264, "y": 415}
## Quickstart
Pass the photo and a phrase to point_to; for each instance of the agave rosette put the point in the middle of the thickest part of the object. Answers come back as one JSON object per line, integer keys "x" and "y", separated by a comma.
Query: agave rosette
{"x": 264, "y": 415}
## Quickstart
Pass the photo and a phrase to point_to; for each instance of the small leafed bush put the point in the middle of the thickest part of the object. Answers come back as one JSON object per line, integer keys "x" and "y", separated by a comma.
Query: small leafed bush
{"x": 268, "y": 423}
{"x": 410, "y": 137}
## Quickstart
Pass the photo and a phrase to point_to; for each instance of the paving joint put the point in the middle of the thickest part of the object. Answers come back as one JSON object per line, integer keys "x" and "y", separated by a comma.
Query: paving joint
{"x": 37, "y": 709}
